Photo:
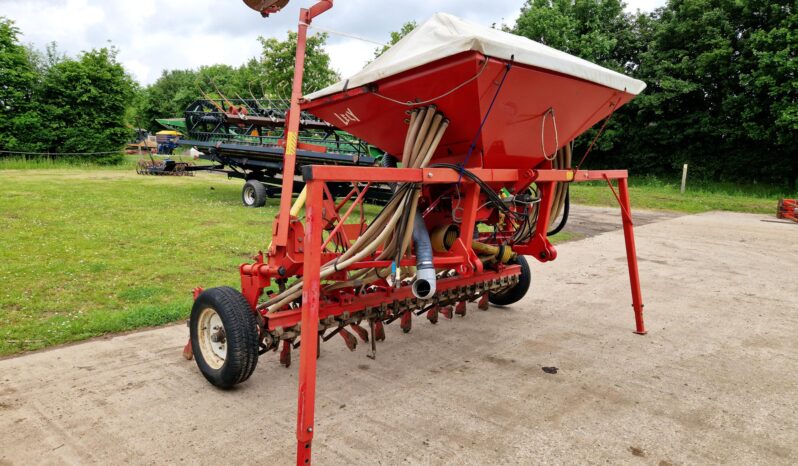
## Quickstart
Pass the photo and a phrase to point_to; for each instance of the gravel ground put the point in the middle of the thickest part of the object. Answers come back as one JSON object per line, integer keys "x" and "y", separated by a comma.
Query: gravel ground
{"x": 714, "y": 381}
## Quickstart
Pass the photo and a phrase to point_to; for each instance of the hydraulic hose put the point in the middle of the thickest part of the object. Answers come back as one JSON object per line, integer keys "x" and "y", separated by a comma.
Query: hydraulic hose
{"x": 562, "y": 198}
{"x": 394, "y": 227}
{"x": 424, "y": 285}
{"x": 565, "y": 211}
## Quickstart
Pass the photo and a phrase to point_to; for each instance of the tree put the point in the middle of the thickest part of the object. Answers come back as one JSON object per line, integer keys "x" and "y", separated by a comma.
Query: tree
{"x": 721, "y": 78}
{"x": 596, "y": 30}
{"x": 272, "y": 74}
{"x": 83, "y": 103}
{"x": 276, "y": 66}
{"x": 167, "y": 97}
{"x": 768, "y": 103}
{"x": 18, "y": 80}
{"x": 396, "y": 36}
{"x": 589, "y": 29}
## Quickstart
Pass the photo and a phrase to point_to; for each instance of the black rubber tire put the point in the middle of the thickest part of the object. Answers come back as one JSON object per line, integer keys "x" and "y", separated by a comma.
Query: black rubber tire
{"x": 514, "y": 294}
{"x": 253, "y": 194}
{"x": 241, "y": 332}
{"x": 388, "y": 161}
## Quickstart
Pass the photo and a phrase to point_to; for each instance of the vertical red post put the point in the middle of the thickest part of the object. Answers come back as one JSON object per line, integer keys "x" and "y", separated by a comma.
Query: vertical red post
{"x": 310, "y": 321}
{"x": 292, "y": 125}
{"x": 631, "y": 254}
{"x": 546, "y": 191}
{"x": 469, "y": 213}
{"x": 539, "y": 245}
{"x": 292, "y": 134}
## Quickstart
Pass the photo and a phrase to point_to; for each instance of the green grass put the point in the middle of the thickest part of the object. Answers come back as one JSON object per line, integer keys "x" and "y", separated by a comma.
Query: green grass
{"x": 650, "y": 193}
{"x": 88, "y": 252}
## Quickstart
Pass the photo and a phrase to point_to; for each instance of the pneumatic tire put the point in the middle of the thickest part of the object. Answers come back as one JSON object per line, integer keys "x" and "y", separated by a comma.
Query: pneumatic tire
{"x": 253, "y": 194}
{"x": 224, "y": 336}
{"x": 516, "y": 292}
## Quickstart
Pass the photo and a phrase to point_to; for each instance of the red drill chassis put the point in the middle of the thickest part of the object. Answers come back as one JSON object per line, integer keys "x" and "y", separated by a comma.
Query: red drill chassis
{"x": 468, "y": 264}
{"x": 313, "y": 310}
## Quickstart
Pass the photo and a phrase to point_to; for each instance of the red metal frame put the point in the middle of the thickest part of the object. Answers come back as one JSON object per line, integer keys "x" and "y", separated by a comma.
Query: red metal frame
{"x": 538, "y": 247}
{"x": 292, "y": 128}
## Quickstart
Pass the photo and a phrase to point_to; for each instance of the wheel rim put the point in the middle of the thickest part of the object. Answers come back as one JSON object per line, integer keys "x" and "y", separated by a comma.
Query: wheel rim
{"x": 212, "y": 338}
{"x": 249, "y": 195}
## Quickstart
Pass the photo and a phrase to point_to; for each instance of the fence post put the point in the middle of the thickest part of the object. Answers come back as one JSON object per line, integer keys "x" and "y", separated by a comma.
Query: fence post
{"x": 684, "y": 177}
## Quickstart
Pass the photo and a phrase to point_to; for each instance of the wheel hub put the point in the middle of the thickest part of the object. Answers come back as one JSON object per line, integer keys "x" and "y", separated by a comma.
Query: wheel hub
{"x": 212, "y": 338}
{"x": 249, "y": 195}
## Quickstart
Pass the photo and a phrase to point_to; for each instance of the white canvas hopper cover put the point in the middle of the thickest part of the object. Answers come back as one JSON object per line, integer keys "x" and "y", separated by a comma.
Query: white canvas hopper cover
{"x": 445, "y": 35}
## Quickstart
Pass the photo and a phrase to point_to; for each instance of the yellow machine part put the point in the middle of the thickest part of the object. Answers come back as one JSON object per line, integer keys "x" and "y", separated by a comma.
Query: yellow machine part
{"x": 443, "y": 238}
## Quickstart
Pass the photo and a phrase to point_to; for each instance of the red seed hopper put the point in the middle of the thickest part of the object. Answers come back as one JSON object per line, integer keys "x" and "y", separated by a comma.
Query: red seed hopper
{"x": 477, "y": 125}
{"x": 539, "y": 98}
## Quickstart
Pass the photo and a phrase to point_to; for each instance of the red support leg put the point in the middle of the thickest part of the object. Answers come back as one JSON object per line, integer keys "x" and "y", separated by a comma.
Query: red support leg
{"x": 310, "y": 322}
{"x": 631, "y": 254}
{"x": 468, "y": 212}
{"x": 539, "y": 245}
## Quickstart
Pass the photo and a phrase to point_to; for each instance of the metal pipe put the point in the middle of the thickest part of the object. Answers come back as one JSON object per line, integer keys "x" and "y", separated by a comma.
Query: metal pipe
{"x": 292, "y": 125}
{"x": 424, "y": 284}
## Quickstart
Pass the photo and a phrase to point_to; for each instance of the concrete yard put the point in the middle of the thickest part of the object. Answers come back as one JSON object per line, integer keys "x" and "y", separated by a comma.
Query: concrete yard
{"x": 714, "y": 381}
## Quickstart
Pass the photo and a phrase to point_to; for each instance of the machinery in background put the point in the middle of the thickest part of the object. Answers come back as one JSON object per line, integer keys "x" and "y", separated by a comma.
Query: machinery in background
{"x": 166, "y": 167}
{"x": 787, "y": 209}
{"x": 143, "y": 142}
{"x": 167, "y": 141}
{"x": 245, "y": 139}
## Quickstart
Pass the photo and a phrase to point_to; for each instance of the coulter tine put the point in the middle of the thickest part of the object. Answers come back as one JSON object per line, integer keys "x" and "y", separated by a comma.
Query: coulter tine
{"x": 407, "y": 321}
{"x": 361, "y": 332}
{"x": 349, "y": 339}
{"x": 379, "y": 331}
{"x": 373, "y": 353}
{"x": 432, "y": 315}
{"x": 285, "y": 354}
{"x": 446, "y": 311}
{"x": 483, "y": 302}
{"x": 188, "y": 351}
{"x": 460, "y": 309}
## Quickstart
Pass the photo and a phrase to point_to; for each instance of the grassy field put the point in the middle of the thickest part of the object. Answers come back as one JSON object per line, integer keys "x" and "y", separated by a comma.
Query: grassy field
{"x": 649, "y": 193}
{"x": 87, "y": 252}
{"x": 90, "y": 250}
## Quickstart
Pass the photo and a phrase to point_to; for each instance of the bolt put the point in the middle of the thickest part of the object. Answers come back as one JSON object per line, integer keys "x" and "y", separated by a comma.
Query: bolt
{"x": 310, "y": 429}
{"x": 429, "y": 174}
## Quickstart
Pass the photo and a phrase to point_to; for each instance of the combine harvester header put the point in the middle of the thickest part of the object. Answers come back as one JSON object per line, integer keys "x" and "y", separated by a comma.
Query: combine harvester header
{"x": 477, "y": 125}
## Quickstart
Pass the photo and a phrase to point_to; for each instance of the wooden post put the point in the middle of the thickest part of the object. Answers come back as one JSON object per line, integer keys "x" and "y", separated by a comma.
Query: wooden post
{"x": 684, "y": 177}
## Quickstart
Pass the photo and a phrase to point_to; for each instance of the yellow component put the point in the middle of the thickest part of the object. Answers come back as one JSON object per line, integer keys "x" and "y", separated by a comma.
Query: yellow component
{"x": 570, "y": 175}
{"x": 291, "y": 142}
{"x": 300, "y": 202}
{"x": 169, "y": 133}
{"x": 502, "y": 253}
{"x": 507, "y": 254}
{"x": 443, "y": 237}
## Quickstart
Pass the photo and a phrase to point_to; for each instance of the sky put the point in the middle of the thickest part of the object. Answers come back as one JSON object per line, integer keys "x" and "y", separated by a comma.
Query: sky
{"x": 153, "y": 35}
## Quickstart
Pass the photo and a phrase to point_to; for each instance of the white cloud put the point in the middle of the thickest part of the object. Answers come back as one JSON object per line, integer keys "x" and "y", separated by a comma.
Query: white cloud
{"x": 155, "y": 35}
